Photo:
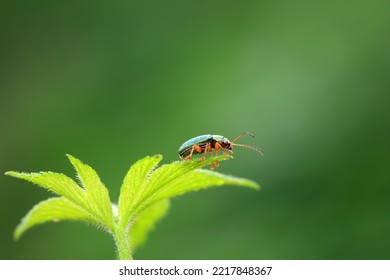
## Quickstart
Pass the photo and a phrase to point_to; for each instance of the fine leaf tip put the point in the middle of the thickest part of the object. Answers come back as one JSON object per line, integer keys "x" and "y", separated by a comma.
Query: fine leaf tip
{"x": 256, "y": 186}
{"x": 13, "y": 174}
{"x": 74, "y": 161}
{"x": 252, "y": 184}
{"x": 17, "y": 234}
{"x": 70, "y": 157}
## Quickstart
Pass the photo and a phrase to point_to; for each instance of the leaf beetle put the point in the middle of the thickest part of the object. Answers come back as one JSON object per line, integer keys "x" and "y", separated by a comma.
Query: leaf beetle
{"x": 212, "y": 144}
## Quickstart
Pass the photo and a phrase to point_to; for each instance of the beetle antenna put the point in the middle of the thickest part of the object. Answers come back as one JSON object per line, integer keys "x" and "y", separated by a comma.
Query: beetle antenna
{"x": 242, "y": 134}
{"x": 257, "y": 149}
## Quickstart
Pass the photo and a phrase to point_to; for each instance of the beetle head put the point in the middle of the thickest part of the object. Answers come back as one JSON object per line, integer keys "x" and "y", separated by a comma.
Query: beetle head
{"x": 225, "y": 143}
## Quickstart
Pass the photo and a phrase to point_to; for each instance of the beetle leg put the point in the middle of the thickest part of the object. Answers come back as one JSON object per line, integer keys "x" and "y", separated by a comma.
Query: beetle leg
{"x": 216, "y": 154}
{"x": 207, "y": 148}
{"x": 211, "y": 155}
{"x": 218, "y": 146}
{"x": 198, "y": 148}
{"x": 190, "y": 155}
{"x": 195, "y": 147}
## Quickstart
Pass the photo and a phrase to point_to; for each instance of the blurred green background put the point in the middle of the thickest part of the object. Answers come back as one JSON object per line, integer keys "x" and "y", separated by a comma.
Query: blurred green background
{"x": 112, "y": 82}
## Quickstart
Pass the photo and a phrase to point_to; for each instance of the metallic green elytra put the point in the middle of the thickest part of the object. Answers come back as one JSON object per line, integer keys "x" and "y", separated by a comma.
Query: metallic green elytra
{"x": 211, "y": 143}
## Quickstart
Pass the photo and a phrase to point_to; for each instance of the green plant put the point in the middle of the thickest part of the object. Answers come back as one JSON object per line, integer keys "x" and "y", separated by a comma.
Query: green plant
{"x": 143, "y": 200}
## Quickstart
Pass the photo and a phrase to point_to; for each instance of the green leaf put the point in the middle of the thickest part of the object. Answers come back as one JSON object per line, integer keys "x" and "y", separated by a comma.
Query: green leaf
{"x": 145, "y": 223}
{"x": 133, "y": 185}
{"x": 97, "y": 193}
{"x": 172, "y": 171}
{"x": 52, "y": 209}
{"x": 65, "y": 186}
{"x": 148, "y": 199}
{"x": 163, "y": 179}
{"x": 143, "y": 200}
{"x": 58, "y": 183}
{"x": 196, "y": 180}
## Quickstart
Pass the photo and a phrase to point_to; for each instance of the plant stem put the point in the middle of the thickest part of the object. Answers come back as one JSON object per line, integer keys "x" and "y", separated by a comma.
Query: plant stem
{"x": 122, "y": 243}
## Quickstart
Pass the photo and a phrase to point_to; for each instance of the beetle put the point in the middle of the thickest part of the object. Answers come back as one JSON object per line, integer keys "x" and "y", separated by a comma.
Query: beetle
{"x": 212, "y": 144}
